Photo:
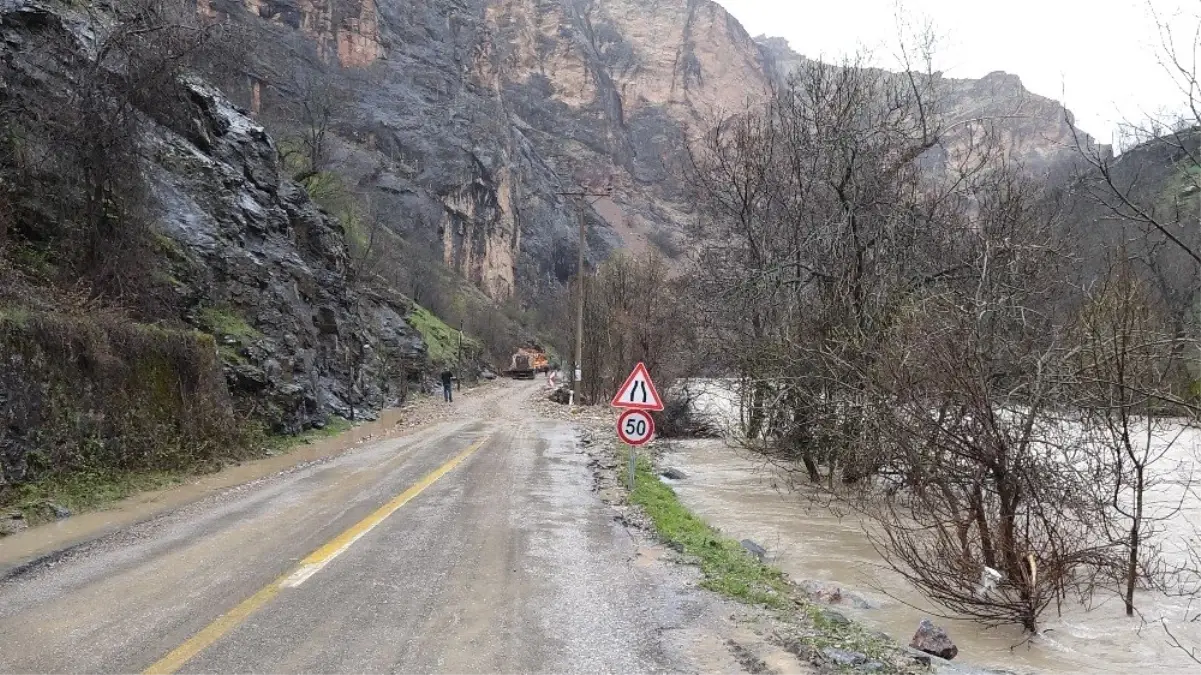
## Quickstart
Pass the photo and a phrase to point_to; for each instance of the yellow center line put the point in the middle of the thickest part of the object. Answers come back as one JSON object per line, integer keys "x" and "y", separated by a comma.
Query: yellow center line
{"x": 305, "y": 569}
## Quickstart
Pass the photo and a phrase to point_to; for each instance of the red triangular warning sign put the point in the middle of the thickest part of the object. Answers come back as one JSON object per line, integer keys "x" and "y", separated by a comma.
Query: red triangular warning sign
{"x": 638, "y": 393}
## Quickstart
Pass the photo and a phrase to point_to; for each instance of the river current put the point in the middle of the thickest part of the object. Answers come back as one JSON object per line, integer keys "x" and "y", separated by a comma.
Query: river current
{"x": 740, "y": 494}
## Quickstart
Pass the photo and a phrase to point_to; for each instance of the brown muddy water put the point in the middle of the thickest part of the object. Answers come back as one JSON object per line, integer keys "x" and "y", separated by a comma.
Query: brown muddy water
{"x": 746, "y": 499}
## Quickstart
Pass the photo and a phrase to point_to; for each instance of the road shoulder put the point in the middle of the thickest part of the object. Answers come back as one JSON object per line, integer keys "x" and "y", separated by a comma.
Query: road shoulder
{"x": 43, "y": 543}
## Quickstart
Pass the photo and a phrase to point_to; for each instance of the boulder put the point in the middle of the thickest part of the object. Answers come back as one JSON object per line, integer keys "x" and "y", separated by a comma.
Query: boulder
{"x": 842, "y": 657}
{"x": 561, "y": 395}
{"x": 754, "y": 549}
{"x": 12, "y": 524}
{"x": 674, "y": 474}
{"x": 934, "y": 640}
{"x": 833, "y": 594}
{"x": 487, "y": 375}
{"x": 920, "y": 658}
{"x": 837, "y": 619}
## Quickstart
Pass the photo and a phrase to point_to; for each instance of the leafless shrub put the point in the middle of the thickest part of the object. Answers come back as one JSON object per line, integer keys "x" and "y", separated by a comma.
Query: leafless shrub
{"x": 1128, "y": 393}
{"x": 970, "y": 386}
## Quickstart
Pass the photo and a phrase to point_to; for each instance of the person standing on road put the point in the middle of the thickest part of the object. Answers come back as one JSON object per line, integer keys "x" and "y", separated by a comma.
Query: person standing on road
{"x": 448, "y": 379}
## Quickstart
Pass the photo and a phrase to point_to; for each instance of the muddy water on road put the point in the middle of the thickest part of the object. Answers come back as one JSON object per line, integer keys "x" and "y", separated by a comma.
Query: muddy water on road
{"x": 747, "y": 500}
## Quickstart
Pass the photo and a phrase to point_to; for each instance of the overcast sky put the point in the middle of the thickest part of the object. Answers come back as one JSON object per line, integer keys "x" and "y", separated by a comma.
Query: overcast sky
{"x": 1099, "y": 56}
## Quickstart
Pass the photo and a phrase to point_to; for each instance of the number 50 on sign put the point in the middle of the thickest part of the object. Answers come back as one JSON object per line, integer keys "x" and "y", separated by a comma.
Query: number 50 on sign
{"x": 636, "y": 427}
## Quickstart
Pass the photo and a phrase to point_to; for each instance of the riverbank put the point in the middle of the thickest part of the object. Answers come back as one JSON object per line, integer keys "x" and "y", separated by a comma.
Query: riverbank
{"x": 780, "y": 612}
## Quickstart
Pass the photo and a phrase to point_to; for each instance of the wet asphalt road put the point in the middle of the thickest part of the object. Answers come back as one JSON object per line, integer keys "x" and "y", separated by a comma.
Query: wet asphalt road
{"x": 505, "y": 563}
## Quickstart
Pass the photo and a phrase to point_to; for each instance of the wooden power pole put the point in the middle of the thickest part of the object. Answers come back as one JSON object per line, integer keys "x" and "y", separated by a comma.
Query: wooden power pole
{"x": 578, "y": 370}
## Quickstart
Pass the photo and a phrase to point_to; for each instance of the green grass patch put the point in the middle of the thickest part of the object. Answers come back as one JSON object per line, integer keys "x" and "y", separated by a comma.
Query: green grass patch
{"x": 221, "y": 321}
{"x": 727, "y": 567}
{"x": 441, "y": 341}
{"x": 1180, "y": 186}
{"x": 851, "y": 637}
{"x": 35, "y": 261}
{"x": 15, "y": 316}
{"x": 733, "y": 572}
{"x": 230, "y": 354}
{"x": 82, "y": 491}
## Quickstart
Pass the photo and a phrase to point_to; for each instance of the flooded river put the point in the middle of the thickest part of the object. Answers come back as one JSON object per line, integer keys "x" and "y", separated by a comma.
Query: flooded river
{"x": 747, "y": 500}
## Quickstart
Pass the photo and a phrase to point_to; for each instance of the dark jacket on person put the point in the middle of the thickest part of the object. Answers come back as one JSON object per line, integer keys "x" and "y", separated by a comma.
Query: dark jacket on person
{"x": 447, "y": 378}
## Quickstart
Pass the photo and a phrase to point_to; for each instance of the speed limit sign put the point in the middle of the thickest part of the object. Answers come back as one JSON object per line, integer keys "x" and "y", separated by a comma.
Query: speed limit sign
{"x": 636, "y": 427}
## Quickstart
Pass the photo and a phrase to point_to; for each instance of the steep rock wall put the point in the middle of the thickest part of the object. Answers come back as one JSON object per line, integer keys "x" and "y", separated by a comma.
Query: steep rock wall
{"x": 250, "y": 258}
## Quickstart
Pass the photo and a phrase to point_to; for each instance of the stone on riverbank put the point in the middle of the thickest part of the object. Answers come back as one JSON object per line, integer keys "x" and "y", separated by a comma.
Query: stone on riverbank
{"x": 934, "y": 640}
{"x": 754, "y": 549}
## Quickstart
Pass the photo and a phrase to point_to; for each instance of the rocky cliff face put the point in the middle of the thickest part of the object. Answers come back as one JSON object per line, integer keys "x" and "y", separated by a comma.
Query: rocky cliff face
{"x": 254, "y": 247}
{"x": 250, "y": 258}
{"x": 471, "y": 115}
{"x": 466, "y": 119}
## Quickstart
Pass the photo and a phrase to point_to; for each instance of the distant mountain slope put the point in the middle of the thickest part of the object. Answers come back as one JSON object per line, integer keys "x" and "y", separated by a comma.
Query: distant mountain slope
{"x": 467, "y": 117}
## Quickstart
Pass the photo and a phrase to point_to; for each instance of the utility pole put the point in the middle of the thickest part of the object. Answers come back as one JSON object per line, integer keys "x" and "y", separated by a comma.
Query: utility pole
{"x": 578, "y": 371}
{"x": 459, "y": 358}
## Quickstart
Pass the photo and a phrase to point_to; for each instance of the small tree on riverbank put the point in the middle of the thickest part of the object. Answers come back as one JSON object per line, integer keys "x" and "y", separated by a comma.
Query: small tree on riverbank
{"x": 969, "y": 387}
{"x": 822, "y": 222}
{"x": 1128, "y": 385}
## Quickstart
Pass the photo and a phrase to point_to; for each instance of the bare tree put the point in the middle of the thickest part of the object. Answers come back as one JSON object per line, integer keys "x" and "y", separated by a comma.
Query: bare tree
{"x": 1148, "y": 203}
{"x": 1128, "y": 394}
{"x": 632, "y": 312}
{"x": 312, "y": 102}
{"x": 969, "y": 392}
{"x": 823, "y": 219}
{"x": 894, "y": 306}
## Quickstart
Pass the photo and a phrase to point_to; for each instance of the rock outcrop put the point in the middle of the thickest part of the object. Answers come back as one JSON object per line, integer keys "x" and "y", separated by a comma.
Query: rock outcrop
{"x": 257, "y": 248}
{"x": 250, "y": 258}
{"x": 1032, "y": 130}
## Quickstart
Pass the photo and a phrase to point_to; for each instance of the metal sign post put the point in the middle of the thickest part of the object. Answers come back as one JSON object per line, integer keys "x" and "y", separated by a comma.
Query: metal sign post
{"x": 633, "y": 466}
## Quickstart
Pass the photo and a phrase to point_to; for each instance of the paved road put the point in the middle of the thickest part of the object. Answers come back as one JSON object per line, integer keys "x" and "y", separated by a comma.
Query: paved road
{"x": 471, "y": 546}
